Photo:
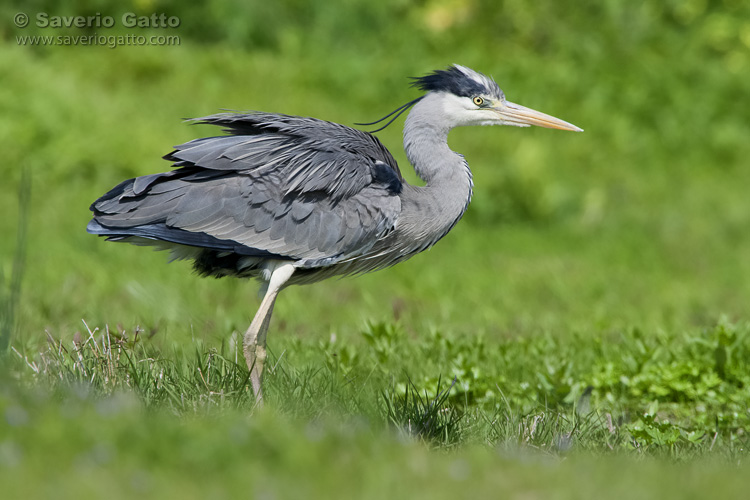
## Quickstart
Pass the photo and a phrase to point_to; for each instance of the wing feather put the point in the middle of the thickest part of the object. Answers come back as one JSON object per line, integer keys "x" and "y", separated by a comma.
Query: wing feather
{"x": 297, "y": 188}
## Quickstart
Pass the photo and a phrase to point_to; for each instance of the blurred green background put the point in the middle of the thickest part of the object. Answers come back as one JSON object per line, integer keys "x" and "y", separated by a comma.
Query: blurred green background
{"x": 641, "y": 220}
{"x": 601, "y": 259}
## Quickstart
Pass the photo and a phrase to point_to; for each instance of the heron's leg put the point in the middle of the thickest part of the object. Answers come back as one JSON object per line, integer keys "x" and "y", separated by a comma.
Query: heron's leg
{"x": 254, "y": 342}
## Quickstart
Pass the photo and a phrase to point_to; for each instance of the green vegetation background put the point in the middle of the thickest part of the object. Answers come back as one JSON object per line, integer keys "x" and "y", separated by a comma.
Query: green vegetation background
{"x": 637, "y": 225}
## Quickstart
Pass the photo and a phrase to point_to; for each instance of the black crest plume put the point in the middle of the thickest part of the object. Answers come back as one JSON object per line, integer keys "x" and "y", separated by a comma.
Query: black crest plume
{"x": 457, "y": 80}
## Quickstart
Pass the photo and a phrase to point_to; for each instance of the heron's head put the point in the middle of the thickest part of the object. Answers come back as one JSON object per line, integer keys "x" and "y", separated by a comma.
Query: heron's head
{"x": 468, "y": 97}
{"x": 459, "y": 96}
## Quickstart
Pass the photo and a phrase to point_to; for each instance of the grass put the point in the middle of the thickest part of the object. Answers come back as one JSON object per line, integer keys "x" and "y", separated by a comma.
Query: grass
{"x": 664, "y": 392}
{"x": 139, "y": 418}
{"x": 116, "y": 448}
{"x": 583, "y": 332}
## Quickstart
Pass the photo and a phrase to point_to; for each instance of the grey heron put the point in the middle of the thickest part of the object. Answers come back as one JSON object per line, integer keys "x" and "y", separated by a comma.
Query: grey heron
{"x": 293, "y": 200}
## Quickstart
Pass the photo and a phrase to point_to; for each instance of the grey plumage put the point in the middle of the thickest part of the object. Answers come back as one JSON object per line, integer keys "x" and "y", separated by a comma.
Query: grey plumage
{"x": 280, "y": 186}
{"x": 296, "y": 200}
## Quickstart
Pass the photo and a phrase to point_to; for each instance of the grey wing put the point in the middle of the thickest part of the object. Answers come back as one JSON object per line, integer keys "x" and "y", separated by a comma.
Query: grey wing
{"x": 279, "y": 186}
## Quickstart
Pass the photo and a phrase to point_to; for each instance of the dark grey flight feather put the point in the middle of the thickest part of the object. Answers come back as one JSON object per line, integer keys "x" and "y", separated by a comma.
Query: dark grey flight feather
{"x": 278, "y": 186}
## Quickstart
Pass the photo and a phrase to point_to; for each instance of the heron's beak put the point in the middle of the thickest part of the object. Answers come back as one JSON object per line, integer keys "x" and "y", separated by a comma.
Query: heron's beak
{"x": 515, "y": 114}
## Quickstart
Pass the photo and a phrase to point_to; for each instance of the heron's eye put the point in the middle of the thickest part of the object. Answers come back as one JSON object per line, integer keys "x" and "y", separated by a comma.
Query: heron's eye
{"x": 478, "y": 101}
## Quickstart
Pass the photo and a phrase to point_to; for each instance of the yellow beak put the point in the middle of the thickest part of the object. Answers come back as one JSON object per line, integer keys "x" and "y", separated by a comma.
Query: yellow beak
{"x": 515, "y": 114}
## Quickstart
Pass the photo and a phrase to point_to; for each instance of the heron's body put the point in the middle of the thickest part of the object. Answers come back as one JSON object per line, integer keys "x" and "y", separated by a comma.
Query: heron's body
{"x": 296, "y": 200}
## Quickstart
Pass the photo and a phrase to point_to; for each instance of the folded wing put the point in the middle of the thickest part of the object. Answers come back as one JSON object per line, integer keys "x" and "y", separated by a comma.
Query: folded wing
{"x": 277, "y": 186}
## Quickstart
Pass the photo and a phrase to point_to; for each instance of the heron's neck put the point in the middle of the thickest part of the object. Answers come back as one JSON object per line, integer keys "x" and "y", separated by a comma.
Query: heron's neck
{"x": 426, "y": 145}
{"x": 448, "y": 181}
